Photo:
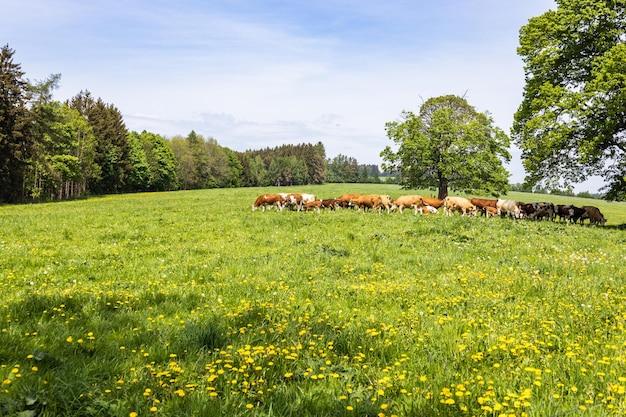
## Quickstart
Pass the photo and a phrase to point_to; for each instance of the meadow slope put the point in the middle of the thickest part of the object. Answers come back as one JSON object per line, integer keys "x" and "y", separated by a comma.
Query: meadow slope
{"x": 190, "y": 303}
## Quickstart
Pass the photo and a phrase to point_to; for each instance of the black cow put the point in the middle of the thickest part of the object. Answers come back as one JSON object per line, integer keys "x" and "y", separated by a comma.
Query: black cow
{"x": 537, "y": 211}
{"x": 571, "y": 213}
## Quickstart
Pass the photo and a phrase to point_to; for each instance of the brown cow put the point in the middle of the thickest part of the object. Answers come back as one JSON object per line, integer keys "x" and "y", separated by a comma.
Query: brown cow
{"x": 269, "y": 200}
{"x": 313, "y": 205}
{"x": 491, "y": 211}
{"x": 344, "y": 200}
{"x": 433, "y": 202}
{"x": 330, "y": 203}
{"x": 594, "y": 215}
{"x": 385, "y": 201}
{"x": 482, "y": 204}
{"x": 366, "y": 201}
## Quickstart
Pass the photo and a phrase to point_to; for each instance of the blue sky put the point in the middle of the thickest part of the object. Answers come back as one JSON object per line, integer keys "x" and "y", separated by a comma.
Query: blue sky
{"x": 253, "y": 74}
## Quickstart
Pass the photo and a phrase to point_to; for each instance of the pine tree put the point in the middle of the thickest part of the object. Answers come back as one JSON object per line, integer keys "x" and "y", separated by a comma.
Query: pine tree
{"x": 16, "y": 141}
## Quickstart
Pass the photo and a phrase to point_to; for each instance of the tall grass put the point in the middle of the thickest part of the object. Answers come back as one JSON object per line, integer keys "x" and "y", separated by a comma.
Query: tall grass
{"x": 190, "y": 303}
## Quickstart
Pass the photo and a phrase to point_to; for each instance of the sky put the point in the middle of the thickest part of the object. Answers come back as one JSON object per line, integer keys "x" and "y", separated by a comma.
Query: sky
{"x": 254, "y": 74}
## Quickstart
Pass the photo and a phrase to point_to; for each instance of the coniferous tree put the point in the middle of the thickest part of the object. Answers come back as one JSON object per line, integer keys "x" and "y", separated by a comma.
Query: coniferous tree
{"x": 16, "y": 140}
{"x": 112, "y": 148}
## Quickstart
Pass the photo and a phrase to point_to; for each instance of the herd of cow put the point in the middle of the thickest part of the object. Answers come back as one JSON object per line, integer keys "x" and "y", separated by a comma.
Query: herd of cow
{"x": 425, "y": 205}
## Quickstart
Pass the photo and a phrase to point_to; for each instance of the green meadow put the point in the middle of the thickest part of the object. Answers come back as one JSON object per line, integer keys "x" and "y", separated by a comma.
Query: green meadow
{"x": 190, "y": 303}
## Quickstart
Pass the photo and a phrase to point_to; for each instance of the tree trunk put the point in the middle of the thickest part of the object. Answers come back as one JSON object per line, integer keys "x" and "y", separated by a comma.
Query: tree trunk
{"x": 443, "y": 188}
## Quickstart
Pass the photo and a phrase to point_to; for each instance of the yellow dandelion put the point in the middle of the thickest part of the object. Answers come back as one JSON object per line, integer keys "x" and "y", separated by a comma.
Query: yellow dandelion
{"x": 69, "y": 339}
{"x": 132, "y": 414}
{"x": 349, "y": 408}
{"x": 249, "y": 406}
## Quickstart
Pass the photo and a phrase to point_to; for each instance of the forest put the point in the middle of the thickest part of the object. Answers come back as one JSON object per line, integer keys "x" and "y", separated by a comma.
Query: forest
{"x": 52, "y": 150}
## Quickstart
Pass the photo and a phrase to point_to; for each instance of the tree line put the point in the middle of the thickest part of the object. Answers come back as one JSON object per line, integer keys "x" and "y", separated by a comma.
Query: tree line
{"x": 52, "y": 150}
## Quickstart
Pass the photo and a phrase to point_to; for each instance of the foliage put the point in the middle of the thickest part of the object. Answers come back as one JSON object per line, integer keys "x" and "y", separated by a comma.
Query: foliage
{"x": 285, "y": 165}
{"x": 571, "y": 123}
{"x": 169, "y": 304}
{"x": 15, "y": 139}
{"x": 342, "y": 169}
{"x": 112, "y": 152}
{"x": 449, "y": 144}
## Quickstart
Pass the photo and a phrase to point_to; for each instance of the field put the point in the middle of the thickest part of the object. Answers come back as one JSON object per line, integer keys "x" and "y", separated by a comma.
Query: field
{"x": 189, "y": 303}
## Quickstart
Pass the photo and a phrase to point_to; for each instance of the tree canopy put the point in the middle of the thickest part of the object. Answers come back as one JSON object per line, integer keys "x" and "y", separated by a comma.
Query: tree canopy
{"x": 571, "y": 123}
{"x": 16, "y": 141}
{"x": 448, "y": 145}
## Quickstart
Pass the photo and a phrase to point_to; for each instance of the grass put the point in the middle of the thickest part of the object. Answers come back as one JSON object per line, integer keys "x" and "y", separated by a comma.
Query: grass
{"x": 190, "y": 303}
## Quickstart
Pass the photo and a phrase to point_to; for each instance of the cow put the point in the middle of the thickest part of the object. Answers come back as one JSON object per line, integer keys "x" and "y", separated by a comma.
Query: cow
{"x": 510, "y": 208}
{"x": 307, "y": 198}
{"x": 413, "y": 201}
{"x": 366, "y": 201}
{"x": 344, "y": 200}
{"x": 330, "y": 203}
{"x": 460, "y": 204}
{"x": 426, "y": 209}
{"x": 385, "y": 201}
{"x": 433, "y": 202}
{"x": 482, "y": 204}
{"x": 298, "y": 200}
{"x": 269, "y": 200}
{"x": 594, "y": 215}
{"x": 571, "y": 213}
{"x": 313, "y": 205}
{"x": 537, "y": 211}
{"x": 293, "y": 200}
{"x": 491, "y": 211}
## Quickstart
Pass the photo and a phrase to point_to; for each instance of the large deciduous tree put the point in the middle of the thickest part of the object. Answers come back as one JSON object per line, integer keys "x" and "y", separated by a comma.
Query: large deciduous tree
{"x": 62, "y": 160}
{"x": 448, "y": 145}
{"x": 16, "y": 140}
{"x": 572, "y": 121}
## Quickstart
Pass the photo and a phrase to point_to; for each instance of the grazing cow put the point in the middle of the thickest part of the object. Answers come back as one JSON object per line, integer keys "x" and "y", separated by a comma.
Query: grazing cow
{"x": 460, "y": 204}
{"x": 491, "y": 211}
{"x": 313, "y": 205}
{"x": 482, "y": 204}
{"x": 571, "y": 213}
{"x": 510, "y": 208}
{"x": 293, "y": 200}
{"x": 433, "y": 202}
{"x": 330, "y": 203}
{"x": 298, "y": 200}
{"x": 269, "y": 200}
{"x": 344, "y": 200}
{"x": 594, "y": 215}
{"x": 414, "y": 201}
{"x": 537, "y": 211}
{"x": 385, "y": 201}
{"x": 366, "y": 201}
{"x": 307, "y": 198}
